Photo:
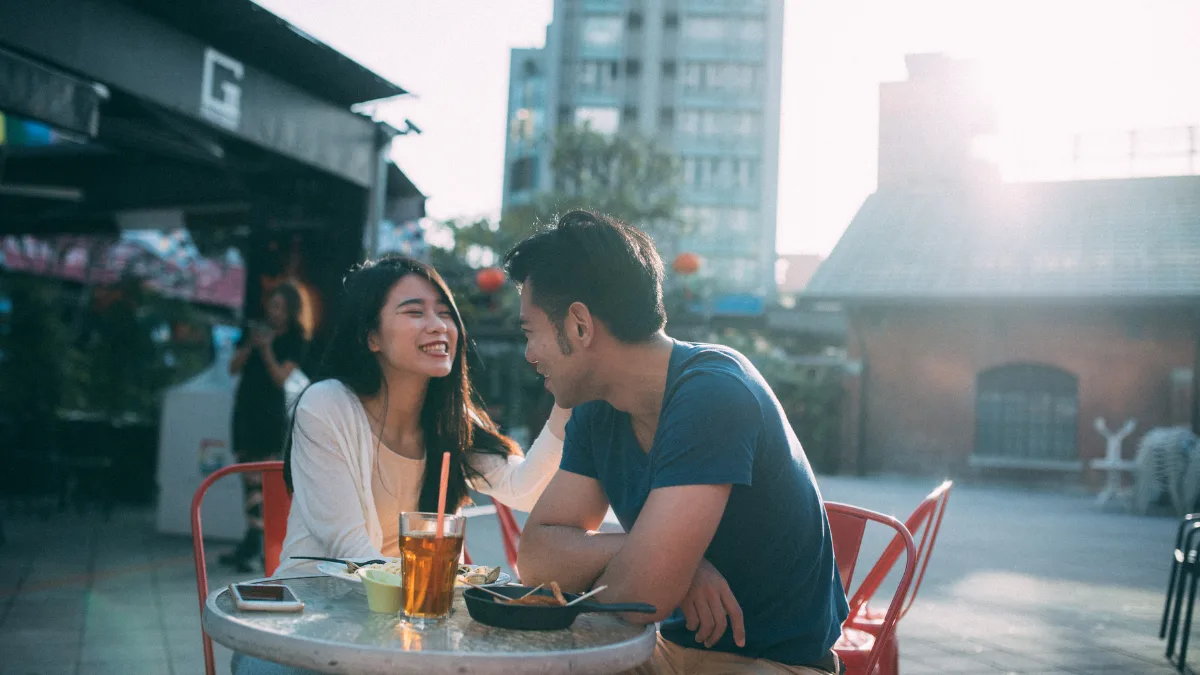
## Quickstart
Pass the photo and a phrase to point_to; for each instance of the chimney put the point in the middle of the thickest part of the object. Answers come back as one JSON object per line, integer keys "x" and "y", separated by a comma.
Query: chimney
{"x": 929, "y": 125}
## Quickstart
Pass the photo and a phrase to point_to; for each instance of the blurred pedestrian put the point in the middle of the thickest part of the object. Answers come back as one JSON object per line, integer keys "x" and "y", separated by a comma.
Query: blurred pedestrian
{"x": 268, "y": 353}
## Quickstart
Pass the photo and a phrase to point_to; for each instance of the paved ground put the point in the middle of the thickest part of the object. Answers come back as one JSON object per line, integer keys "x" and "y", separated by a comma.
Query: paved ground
{"x": 1021, "y": 582}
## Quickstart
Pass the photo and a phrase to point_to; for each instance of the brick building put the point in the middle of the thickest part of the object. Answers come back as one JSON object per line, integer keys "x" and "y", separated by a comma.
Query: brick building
{"x": 995, "y": 321}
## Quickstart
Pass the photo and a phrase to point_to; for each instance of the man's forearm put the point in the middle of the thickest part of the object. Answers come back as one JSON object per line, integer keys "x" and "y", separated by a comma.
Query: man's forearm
{"x": 569, "y": 555}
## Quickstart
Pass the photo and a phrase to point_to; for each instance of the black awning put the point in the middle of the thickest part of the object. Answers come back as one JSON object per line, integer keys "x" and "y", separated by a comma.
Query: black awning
{"x": 253, "y": 34}
{"x": 32, "y": 90}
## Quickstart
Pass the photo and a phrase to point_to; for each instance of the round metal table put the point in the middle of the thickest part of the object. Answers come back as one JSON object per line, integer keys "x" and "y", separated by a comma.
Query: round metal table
{"x": 337, "y": 634}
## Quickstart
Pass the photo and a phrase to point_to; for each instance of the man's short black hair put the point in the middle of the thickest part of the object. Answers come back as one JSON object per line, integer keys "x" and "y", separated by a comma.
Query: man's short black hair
{"x": 610, "y": 266}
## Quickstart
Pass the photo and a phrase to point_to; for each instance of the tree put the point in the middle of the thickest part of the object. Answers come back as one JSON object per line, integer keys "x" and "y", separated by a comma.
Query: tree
{"x": 623, "y": 175}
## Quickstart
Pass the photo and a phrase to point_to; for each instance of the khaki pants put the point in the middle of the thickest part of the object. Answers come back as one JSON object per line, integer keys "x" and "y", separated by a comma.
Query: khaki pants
{"x": 671, "y": 659}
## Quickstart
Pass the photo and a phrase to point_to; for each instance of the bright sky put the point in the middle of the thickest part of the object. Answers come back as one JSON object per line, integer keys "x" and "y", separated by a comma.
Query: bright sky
{"x": 1059, "y": 65}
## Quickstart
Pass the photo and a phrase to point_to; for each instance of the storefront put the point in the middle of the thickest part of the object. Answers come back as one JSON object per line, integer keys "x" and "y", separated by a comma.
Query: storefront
{"x": 217, "y": 116}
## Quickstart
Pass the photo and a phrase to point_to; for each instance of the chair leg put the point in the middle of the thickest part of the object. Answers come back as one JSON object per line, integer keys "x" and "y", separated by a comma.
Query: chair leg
{"x": 1162, "y": 628}
{"x": 1187, "y": 625}
{"x": 1184, "y": 572}
{"x": 894, "y": 655}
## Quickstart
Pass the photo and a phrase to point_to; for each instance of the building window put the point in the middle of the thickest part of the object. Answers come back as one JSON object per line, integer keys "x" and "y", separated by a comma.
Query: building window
{"x": 671, "y": 20}
{"x": 744, "y": 175}
{"x": 1027, "y": 411}
{"x": 530, "y": 68}
{"x": 629, "y": 115}
{"x": 668, "y": 69}
{"x": 521, "y": 174}
{"x": 602, "y": 31}
{"x": 601, "y": 120}
{"x": 525, "y": 124}
{"x": 722, "y": 173}
{"x": 633, "y": 67}
{"x": 743, "y": 273}
{"x": 666, "y": 119}
{"x": 721, "y": 228}
{"x": 706, "y": 29}
{"x": 720, "y": 123}
{"x": 721, "y": 78}
{"x": 597, "y": 76}
{"x": 635, "y": 21}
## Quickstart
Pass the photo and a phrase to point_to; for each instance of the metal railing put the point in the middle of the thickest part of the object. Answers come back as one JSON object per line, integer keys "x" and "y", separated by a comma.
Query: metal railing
{"x": 1164, "y": 151}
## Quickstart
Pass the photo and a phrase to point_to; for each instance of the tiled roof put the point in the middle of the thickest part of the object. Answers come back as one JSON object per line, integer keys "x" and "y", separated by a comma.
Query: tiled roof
{"x": 1135, "y": 238}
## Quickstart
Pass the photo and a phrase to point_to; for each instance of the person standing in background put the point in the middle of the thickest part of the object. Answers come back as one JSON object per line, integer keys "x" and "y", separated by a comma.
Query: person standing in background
{"x": 267, "y": 354}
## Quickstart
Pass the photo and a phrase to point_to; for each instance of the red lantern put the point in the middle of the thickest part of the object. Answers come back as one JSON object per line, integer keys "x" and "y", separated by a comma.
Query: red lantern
{"x": 686, "y": 264}
{"x": 490, "y": 280}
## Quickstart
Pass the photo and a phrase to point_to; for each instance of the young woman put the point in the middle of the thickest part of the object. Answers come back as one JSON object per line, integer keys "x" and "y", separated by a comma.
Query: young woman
{"x": 266, "y": 356}
{"x": 367, "y": 440}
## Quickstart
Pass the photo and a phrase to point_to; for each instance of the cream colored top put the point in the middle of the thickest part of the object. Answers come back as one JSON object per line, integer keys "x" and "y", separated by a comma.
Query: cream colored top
{"x": 396, "y": 484}
{"x": 335, "y": 511}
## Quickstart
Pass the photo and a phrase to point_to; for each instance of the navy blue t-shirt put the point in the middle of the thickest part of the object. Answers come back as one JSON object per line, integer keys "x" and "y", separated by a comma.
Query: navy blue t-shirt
{"x": 721, "y": 424}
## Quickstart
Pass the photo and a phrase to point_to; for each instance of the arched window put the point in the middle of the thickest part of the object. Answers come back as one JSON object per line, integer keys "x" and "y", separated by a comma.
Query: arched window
{"x": 1026, "y": 411}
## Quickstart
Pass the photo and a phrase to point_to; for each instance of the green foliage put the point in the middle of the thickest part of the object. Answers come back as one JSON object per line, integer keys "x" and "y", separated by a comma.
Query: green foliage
{"x": 625, "y": 176}
{"x": 65, "y": 351}
{"x": 32, "y": 343}
{"x": 811, "y": 395}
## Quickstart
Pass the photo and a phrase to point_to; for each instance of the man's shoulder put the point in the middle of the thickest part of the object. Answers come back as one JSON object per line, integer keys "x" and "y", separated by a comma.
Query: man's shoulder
{"x": 717, "y": 368}
{"x": 713, "y": 358}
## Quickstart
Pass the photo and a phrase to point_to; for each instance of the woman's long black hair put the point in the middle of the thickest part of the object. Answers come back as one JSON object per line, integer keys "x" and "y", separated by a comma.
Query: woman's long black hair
{"x": 451, "y": 418}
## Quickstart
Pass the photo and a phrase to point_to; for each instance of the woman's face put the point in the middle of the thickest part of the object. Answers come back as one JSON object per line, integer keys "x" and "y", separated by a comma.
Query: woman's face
{"x": 417, "y": 332}
{"x": 277, "y": 312}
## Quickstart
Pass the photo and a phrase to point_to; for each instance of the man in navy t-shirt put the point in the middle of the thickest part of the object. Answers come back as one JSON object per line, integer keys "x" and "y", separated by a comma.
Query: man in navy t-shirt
{"x": 725, "y": 530}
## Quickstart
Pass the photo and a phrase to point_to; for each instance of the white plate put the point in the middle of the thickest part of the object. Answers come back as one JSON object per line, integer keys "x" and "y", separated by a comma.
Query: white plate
{"x": 339, "y": 570}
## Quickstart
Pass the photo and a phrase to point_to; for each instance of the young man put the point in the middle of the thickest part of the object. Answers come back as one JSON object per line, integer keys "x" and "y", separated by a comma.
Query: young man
{"x": 689, "y": 446}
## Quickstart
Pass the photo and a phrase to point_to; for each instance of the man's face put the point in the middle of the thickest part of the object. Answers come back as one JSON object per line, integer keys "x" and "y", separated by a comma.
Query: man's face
{"x": 550, "y": 350}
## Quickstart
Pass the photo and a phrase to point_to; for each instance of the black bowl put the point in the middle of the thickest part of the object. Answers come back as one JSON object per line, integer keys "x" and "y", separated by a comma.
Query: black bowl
{"x": 486, "y": 609}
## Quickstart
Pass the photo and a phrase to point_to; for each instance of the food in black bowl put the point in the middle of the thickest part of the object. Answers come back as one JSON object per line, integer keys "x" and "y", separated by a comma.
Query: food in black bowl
{"x": 540, "y": 610}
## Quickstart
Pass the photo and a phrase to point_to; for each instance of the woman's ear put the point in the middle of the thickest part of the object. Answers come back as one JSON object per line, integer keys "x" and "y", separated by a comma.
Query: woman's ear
{"x": 373, "y": 341}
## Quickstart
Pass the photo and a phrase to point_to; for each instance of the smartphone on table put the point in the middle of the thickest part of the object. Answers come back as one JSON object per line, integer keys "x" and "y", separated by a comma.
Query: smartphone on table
{"x": 265, "y": 598}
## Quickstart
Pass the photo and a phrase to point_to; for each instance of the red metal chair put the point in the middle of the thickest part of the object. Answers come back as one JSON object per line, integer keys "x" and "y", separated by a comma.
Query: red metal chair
{"x": 927, "y": 520}
{"x": 861, "y": 651}
{"x": 510, "y": 533}
{"x": 276, "y": 504}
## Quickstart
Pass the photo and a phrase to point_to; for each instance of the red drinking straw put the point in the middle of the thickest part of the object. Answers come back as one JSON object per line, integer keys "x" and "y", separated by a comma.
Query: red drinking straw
{"x": 441, "y": 517}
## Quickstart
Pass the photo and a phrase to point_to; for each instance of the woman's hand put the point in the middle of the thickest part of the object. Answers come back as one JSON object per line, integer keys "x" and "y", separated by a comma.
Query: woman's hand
{"x": 707, "y": 604}
{"x": 558, "y": 422}
{"x": 262, "y": 339}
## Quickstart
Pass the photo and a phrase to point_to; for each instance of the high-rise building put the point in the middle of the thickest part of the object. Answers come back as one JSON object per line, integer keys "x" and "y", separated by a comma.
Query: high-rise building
{"x": 702, "y": 77}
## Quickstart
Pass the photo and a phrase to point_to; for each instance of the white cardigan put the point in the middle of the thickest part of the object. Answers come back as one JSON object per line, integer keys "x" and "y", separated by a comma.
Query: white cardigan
{"x": 333, "y": 454}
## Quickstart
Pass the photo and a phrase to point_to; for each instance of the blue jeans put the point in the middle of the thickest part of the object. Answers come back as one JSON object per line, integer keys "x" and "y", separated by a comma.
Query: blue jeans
{"x": 242, "y": 664}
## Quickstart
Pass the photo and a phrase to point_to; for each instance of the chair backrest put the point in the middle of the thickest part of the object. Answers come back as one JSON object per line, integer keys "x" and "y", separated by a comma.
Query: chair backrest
{"x": 276, "y": 503}
{"x": 847, "y": 532}
{"x": 927, "y": 520}
{"x": 510, "y": 534}
{"x": 847, "y": 525}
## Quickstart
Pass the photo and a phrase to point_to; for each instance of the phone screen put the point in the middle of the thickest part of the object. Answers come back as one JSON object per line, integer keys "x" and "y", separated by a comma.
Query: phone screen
{"x": 264, "y": 593}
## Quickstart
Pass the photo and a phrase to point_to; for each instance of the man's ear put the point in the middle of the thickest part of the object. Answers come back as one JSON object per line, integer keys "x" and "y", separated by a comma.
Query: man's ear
{"x": 581, "y": 325}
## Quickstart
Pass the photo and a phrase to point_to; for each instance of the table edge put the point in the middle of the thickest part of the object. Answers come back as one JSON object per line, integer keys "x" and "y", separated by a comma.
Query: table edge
{"x": 289, "y": 650}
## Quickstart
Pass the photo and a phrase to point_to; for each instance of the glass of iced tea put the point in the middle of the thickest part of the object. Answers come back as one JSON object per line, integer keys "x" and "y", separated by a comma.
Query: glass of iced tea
{"x": 430, "y": 565}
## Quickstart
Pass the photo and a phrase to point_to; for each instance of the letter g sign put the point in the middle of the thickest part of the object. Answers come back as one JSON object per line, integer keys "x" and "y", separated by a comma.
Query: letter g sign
{"x": 221, "y": 93}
